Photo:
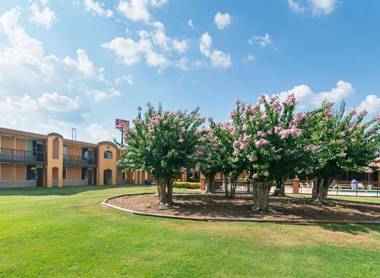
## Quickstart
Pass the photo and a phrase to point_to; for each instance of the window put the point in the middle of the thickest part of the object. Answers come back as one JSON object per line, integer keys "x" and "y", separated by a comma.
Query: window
{"x": 56, "y": 148}
{"x": 65, "y": 151}
{"x": 84, "y": 174}
{"x": 31, "y": 172}
{"x": 107, "y": 155}
{"x": 64, "y": 173}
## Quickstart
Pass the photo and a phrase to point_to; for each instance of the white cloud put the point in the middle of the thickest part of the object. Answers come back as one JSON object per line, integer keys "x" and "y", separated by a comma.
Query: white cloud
{"x": 57, "y": 103}
{"x": 180, "y": 46}
{"x": 103, "y": 95}
{"x": 222, "y": 20}
{"x": 25, "y": 67}
{"x": 296, "y": 7}
{"x": 262, "y": 41}
{"x": 218, "y": 58}
{"x": 205, "y": 44}
{"x": 307, "y": 98}
{"x": 250, "y": 58}
{"x": 132, "y": 51}
{"x": 44, "y": 16}
{"x": 97, "y": 8}
{"x": 84, "y": 65}
{"x": 190, "y": 24}
{"x": 137, "y": 10}
{"x": 125, "y": 78}
{"x": 24, "y": 58}
{"x": 371, "y": 104}
{"x": 98, "y": 132}
{"x": 45, "y": 113}
{"x": 317, "y": 7}
{"x": 155, "y": 59}
{"x": 127, "y": 49}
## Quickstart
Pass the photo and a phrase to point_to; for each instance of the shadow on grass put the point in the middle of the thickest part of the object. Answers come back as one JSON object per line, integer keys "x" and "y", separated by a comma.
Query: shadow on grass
{"x": 352, "y": 228}
{"x": 44, "y": 191}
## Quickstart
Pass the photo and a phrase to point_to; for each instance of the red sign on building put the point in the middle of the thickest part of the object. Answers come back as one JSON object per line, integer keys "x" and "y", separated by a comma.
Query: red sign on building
{"x": 119, "y": 123}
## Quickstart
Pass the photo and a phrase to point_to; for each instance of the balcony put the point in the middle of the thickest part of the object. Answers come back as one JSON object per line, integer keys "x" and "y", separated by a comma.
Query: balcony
{"x": 22, "y": 156}
{"x": 79, "y": 160}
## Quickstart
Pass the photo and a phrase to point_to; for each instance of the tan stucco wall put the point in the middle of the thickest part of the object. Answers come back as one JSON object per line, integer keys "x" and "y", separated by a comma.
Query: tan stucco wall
{"x": 73, "y": 173}
{"x": 20, "y": 172}
{"x": 51, "y": 162}
{"x": 20, "y": 144}
{"x": 6, "y": 172}
{"x": 104, "y": 164}
{"x": 74, "y": 150}
{"x": 7, "y": 142}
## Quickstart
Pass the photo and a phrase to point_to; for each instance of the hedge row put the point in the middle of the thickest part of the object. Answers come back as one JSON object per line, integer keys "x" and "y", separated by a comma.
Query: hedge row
{"x": 189, "y": 185}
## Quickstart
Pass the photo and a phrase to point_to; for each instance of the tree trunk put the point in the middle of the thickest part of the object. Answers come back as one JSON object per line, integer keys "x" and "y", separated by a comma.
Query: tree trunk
{"x": 261, "y": 196}
{"x": 210, "y": 179}
{"x": 164, "y": 196}
{"x": 233, "y": 189}
{"x": 315, "y": 190}
{"x": 170, "y": 191}
{"x": 226, "y": 187}
{"x": 280, "y": 188}
{"x": 320, "y": 190}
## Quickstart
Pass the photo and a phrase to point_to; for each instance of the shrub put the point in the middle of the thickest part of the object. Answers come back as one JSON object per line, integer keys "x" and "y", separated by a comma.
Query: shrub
{"x": 188, "y": 185}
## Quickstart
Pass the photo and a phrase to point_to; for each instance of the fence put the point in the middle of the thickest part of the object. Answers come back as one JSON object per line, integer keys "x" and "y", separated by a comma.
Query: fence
{"x": 337, "y": 188}
{"x": 241, "y": 187}
{"x": 344, "y": 188}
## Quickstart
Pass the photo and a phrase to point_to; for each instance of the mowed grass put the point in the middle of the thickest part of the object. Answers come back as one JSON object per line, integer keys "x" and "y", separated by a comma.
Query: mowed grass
{"x": 66, "y": 233}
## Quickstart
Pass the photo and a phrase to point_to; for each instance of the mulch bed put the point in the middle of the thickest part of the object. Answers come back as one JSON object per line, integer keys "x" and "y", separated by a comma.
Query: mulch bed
{"x": 216, "y": 206}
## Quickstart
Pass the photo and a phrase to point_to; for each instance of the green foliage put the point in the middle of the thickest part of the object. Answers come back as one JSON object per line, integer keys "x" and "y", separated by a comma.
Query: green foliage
{"x": 337, "y": 142}
{"x": 161, "y": 142}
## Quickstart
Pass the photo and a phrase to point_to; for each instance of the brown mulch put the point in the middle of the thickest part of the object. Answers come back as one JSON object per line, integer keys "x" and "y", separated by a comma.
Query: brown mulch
{"x": 282, "y": 209}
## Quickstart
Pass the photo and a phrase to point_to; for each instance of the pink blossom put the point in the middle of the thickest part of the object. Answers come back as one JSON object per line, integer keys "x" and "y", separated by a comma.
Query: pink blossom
{"x": 237, "y": 102}
{"x": 342, "y": 135}
{"x": 250, "y": 158}
{"x": 183, "y": 129}
{"x": 352, "y": 127}
{"x": 353, "y": 112}
{"x": 180, "y": 140}
{"x": 243, "y": 146}
{"x": 264, "y": 117}
{"x": 378, "y": 118}
{"x": 290, "y": 100}
{"x": 261, "y": 142}
{"x": 254, "y": 176}
{"x": 313, "y": 148}
{"x": 236, "y": 144}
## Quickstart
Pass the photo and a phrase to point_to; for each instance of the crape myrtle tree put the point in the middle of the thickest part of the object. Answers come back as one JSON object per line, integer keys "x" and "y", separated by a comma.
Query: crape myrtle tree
{"x": 232, "y": 164}
{"x": 209, "y": 156}
{"x": 162, "y": 143}
{"x": 337, "y": 142}
{"x": 268, "y": 137}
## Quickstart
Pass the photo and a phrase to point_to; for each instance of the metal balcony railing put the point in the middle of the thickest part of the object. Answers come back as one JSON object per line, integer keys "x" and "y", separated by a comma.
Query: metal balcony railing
{"x": 21, "y": 156}
{"x": 78, "y": 160}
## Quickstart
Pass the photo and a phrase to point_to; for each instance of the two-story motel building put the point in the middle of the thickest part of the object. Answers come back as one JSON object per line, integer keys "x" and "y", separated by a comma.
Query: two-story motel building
{"x": 30, "y": 159}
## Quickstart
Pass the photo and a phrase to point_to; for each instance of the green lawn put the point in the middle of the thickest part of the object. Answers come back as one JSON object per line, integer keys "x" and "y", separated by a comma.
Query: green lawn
{"x": 65, "y": 232}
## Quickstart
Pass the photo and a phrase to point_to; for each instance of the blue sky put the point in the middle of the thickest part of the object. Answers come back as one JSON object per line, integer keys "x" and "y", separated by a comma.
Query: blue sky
{"x": 83, "y": 63}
